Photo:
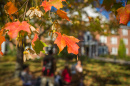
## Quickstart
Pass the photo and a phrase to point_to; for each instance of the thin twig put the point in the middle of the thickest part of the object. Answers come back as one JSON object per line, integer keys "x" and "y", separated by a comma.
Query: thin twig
{"x": 25, "y": 10}
{"x": 20, "y": 8}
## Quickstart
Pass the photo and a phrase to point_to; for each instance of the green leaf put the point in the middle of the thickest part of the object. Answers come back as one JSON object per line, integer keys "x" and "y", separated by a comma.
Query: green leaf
{"x": 43, "y": 51}
{"x": 44, "y": 44}
{"x": 38, "y": 46}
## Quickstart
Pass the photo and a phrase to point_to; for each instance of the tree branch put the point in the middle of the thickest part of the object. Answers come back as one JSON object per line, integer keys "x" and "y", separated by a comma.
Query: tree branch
{"x": 20, "y": 8}
{"x": 25, "y": 10}
{"x": 43, "y": 32}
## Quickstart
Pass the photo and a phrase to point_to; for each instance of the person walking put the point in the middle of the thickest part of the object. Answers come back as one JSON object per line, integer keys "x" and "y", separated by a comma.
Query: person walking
{"x": 48, "y": 70}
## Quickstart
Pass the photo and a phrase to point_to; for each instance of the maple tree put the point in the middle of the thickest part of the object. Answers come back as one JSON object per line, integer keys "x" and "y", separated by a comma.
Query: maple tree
{"x": 20, "y": 19}
{"x": 18, "y": 29}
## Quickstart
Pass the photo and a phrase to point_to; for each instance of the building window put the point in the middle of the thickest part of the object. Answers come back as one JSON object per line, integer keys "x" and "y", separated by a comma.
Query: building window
{"x": 87, "y": 36}
{"x": 114, "y": 51}
{"x": 125, "y": 41}
{"x": 103, "y": 39}
{"x": 113, "y": 32}
{"x": 124, "y": 32}
{"x": 113, "y": 40}
{"x": 127, "y": 51}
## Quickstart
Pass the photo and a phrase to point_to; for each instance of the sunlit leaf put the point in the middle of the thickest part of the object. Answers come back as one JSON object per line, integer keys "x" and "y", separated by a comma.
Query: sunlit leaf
{"x": 69, "y": 41}
{"x": 62, "y": 14}
{"x": 56, "y": 3}
{"x": 123, "y": 15}
{"x": 10, "y": 8}
{"x": 15, "y": 27}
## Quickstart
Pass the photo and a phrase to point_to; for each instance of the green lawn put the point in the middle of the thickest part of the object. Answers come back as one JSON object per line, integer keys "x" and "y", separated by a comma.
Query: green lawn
{"x": 96, "y": 73}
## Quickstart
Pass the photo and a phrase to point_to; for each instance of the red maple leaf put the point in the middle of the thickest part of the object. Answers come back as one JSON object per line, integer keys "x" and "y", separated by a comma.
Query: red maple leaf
{"x": 15, "y": 27}
{"x": 69, "y": 41}
{"x": 123, "y": 15}
{"x": 46, "y": 5}
{"x": 34, "y": 39}
{"x": 56, "y": 3}
{"x": 2, "y": 39}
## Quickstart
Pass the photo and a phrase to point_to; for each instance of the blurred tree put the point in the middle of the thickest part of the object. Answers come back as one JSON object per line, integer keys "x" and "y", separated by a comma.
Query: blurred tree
{"x": 122, "y": 49}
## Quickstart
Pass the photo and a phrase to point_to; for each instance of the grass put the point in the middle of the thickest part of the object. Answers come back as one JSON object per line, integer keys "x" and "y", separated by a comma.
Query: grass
{"x": 96, "y": 73}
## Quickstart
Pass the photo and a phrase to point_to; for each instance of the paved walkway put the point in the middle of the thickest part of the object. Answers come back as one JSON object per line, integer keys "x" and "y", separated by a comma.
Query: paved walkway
{"x": 113, "y": 60}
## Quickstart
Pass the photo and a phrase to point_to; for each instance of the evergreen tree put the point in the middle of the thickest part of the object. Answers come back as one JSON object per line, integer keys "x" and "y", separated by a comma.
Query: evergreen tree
{"x": 122, "y": 49}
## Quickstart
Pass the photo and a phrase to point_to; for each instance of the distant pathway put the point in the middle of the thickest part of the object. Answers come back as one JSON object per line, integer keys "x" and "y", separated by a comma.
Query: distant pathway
{"x": 113, "y": 60}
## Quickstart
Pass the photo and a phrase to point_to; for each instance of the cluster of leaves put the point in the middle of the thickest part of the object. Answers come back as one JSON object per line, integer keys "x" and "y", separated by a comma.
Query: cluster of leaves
{"x": 17, "y": 29}
{"x": 120, "y": 7}
{"x": 20, "y": 29}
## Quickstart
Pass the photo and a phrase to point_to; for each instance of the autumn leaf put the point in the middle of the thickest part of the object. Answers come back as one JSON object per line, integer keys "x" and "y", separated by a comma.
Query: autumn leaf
{"x": 123, "y": 15}
{"x": 56, "y": 3}
{"x": 38, "y": 46}
{"x": 15, "y": 27}
{"x": 10, "y": 8}
{"x": 60, "y": 42}
{"x": 46, "y": 5}
{"x": 2, "y": 39}
{"x": 35, "y": 38}
{"x": 62, "y": 14}
{"x": 63, "y": 40}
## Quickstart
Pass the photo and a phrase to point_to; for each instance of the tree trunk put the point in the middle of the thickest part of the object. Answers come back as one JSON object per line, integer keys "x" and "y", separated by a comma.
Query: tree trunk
{"x": 19, "y": 60}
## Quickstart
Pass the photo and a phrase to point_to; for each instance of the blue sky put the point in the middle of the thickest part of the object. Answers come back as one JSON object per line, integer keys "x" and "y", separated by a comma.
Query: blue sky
{"x": 106, "y": 13}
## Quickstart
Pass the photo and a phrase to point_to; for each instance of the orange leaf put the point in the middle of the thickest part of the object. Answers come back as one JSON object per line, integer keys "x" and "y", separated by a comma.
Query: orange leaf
{"x": 46, "y": 5}
{"x": 10, "y": 8}
{"x": 123, "y": 15}
{"x": 69, "y": 41}
{"x": 60, "y": 42}
{"x": 56, "y": 3}
{"x": 2, "y": 39}
{"x": 15, "y": 27}
{"x": 34, "y": 39}
{"x": 62, "y": 14}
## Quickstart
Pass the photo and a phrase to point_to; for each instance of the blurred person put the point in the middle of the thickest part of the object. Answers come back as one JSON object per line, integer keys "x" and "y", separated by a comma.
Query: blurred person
{"x": 79, "y": 67}
{"x": 66, "y": 74}
{"x": 73, "y": 69}
{"x": 49, "y": 66}
{"x": 27, "y": 77}
{"x": 58, "y": 79}
{"x": 79, "y": 70}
